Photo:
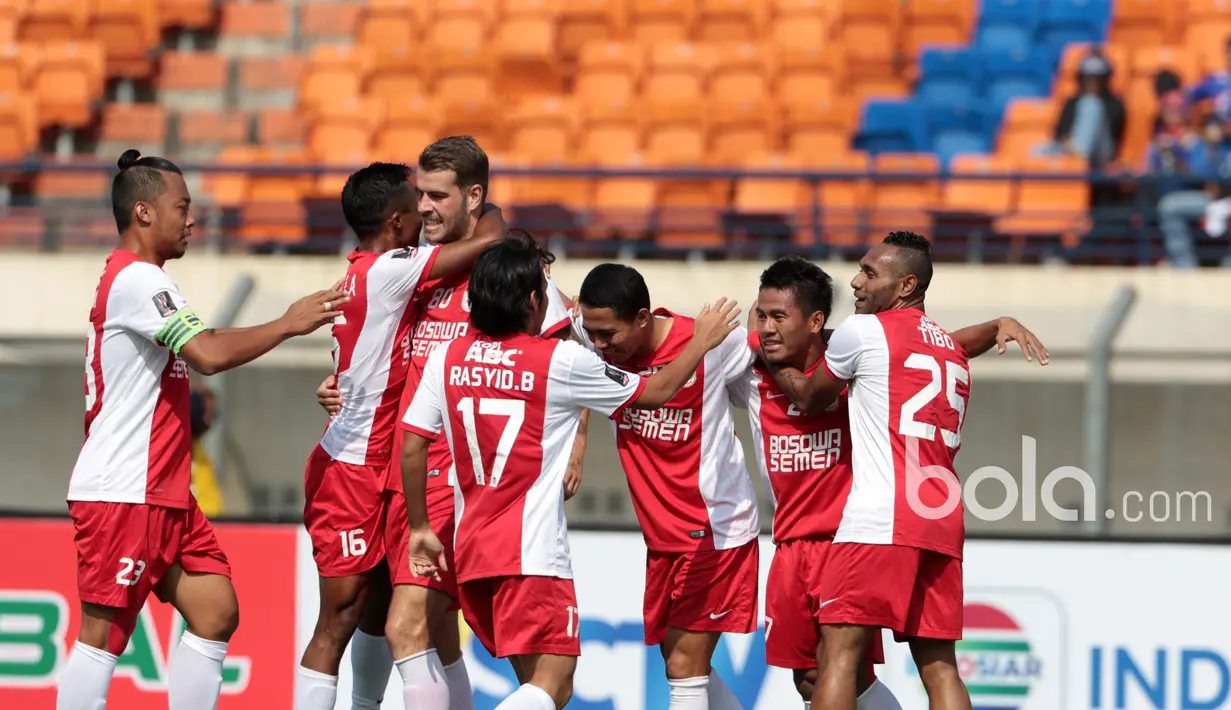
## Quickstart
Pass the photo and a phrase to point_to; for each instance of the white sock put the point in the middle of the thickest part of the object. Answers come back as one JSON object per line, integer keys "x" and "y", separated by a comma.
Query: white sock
{"x": 807, "y": 705}
{"x": 195, "y": 678}
{"x": 371, "y": 662}
{"x": 878, "y": 696}
{"x": 528, "y": 697}
{"x": 84, "y": 680}
{"x": 423, "y": 681}
{"x": 720, "y": 696}
{"x": 461, "y": 697}
{"x": 315, "y": 690}
{"x": 689, "y": 693}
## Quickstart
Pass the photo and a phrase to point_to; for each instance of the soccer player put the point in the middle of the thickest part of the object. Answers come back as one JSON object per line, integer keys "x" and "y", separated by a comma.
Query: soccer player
{"x": 345, "y": 477}
{"x": 806, "y": 462}
{"x": 138, "y": 527}
{"x": 694, "y": 500}
{"x": 510, "y": 404}
{"x": 896, "y": 558}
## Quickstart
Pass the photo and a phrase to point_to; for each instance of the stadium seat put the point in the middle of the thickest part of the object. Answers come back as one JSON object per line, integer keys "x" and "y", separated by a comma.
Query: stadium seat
{"x": 129, "y": 31}
{"x": 800, "y": 24}
{"x": 1012, "y": 74}
{"x": 329, "y": 21}
{"x": 254, "y": 29}
{"x": 411, "y": 124}
{"x": 526, "y": 57}
{"x": 21, "y": 227}
{"x": 463, "y": 74}
{"x": 869, "y": 29}
{"x": 906, "y": 202}
{"x": 1067, "y": 21}
{"x": 820, "y": 127}
{"x": 186, "y": 14}
{"x": 193, "y": 80}
{"x": 266, "y": 82}
{"x": 674, "y": 133}
{"x": 738, "y": 128}
{"x": 1144, "y": 23}
{"x": 397, "y": 72}
{"x": 469, "y": 31}
{"x": 54, "y": 20}
{"x": 740, "y": 71}
{"x": 786, "y": 198}
{"x": 1207, "y": 39}
{"x": 731, "y": 20}
{"x": 930, "y": 23}
{"x": 655, "y": 21}
{"x": 586, "y": 21}
{"x": 807, "y": 74}
{"x": 610, "y": 132}
{"x": 141, "y": 125}
{"x": 948, "y": 75}
{"x": 341, "y": 129}
{"x": 334, "y": 73}
{"x": 675, "y": 72}
{"x": 273, "y": 209}
{"x": 1050, "y": 207}
{"x": 68, "y": 79}
{"x": 17, "y": 65}
{"x": 964, "y": 127}
{"x": 389, "y": 25}
{"x": 281, "y": 128}
{"x": 1148, "y": 61}
{"x": 541, "y": 130}
{"x": 890, "y": 127}
{"x": 204, "y": 133}
{"x": 1008, "y": 25}
{"x": 622, "y": 205}
{"x": 10, "y": 17}
{"x": 607, "y": 71}
{"x": 481, "y": 118}
{"x": 979, "y": 195}
{"x": 18, "y": 125}
{"x": 843, "y": 198}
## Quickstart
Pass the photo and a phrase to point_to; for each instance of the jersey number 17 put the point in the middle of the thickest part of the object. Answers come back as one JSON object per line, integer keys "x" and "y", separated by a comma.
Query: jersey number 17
{"x": 514, "y": 411}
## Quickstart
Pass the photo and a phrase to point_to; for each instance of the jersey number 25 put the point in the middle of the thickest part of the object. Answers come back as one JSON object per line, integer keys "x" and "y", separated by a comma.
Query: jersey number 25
{"x": 946, "y": 380}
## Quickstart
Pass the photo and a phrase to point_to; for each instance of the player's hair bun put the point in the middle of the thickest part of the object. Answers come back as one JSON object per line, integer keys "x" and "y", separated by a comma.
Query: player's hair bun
{"x": 129, "y": 158}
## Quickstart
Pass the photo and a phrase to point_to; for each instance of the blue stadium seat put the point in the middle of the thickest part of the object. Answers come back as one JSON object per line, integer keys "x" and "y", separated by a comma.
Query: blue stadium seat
{"x": 890, "y": 126}
{"x": 1066, "y": 21}
{"x": 970, "y": 117}
{"x": 958, "y": 142}
{"x": 1010, "y": 74}
{"x": 1011, "y": 37}
{"x": 947, "y": 75}
{"x": 1010, "y": 11}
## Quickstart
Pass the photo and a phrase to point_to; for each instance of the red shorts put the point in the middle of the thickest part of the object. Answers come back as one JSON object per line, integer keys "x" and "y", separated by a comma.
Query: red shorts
{"x": 344, "y": 513}
{"x": 440, "y": 515}
{"x": 793, "y": 605}
{"x": 702, "y": 590}
{"x": 515, "y": 616}
{"x": 917, "y": 593}
{"x": 125, "y": 549}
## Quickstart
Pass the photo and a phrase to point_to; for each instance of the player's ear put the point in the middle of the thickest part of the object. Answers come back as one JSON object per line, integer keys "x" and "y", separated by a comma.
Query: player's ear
{"x": 907, "y": 285}
{"x": 143, "y": 213}
{"x": 816, "y": 322}
{"x": 643, "y": 317}
{"x": 474, "y": 197}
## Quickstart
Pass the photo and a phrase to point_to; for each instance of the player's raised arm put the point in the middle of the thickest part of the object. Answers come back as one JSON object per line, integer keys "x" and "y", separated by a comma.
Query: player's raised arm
{"x": 711, "y": 328}
{"x": 978, "y": 339}
{"x": 210, "y": 351}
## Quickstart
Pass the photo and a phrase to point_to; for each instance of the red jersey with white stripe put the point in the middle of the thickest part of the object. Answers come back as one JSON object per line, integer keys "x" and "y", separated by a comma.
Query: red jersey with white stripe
{"x": 510, "y": 408}
{"x": 805, "y": 460}
{"x": 371, "y": 351}
{"x": 685, "y": 469}
{"x": 138, "y": 448}
{"x": 443, "y": 314}
{"x": 909, "y": 384}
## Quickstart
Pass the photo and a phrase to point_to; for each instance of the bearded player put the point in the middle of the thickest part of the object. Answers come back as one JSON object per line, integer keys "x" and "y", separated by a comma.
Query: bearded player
{"x": 806, "y": 462}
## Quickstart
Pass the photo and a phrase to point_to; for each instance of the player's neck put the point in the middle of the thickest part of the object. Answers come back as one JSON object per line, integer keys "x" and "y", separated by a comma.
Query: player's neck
{"x": 662, "y": 330}
{"x": 379, "y": 244}
{"x": 912, "y": 303}
{"x": 811, "y": 356}
{"x": 131, "y": 242}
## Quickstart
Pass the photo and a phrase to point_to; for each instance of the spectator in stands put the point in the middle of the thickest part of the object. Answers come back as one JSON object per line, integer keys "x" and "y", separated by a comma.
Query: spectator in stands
{"x": 1197, "y": 165}
{"x": 202, "y": 408}
{"x": 1216, "y": 87}
{"x": 1092, "y": 121}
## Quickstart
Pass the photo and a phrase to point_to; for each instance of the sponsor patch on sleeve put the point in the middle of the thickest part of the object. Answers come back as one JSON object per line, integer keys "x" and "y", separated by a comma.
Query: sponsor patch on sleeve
{"x": 620, "y": 378}
{"x": 403, "y": 253}
{"x": 164, "y": 303}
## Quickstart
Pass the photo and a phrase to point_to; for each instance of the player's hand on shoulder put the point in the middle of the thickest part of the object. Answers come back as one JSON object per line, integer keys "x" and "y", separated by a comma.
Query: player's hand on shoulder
{"x": 427, "y": 554}
{"x": 314, "y": 310}
{"x": 714, "y": 324}
{"x": 491, "y": 223}
{"x": 1013, "y": 331}
{"x": 329, "y": 396}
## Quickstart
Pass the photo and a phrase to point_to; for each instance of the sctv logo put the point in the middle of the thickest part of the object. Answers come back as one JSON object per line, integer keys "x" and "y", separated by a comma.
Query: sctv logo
{"x": 617, "y": 671}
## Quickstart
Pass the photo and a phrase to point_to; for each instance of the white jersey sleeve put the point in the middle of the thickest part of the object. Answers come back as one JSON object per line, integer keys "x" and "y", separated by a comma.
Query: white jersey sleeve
{"x": 734, "y": 355}
{"x": 558, "y": 316}
{"x": 397, "y": 273}
{"x": 425, "y": 415}
{"x": 144, "y": 300}
{"x": 847, "y": 346}
{"x": 592, "y": 383}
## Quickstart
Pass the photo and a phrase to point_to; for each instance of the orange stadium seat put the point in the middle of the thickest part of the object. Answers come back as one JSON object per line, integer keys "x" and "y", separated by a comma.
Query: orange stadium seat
{"x": 526, "y": 57}
{"x": 740, "y": 71}
{"x": 17, "y": 65}
{"x": 334, "y": 74}
{"x": 129, "y": 31}
{"x": 231, "y": 189}
{"x": 541, "y": 130}
{"x": 610, "y": 132}
{"x": 397, "y": 72}
{"x": 819, "y": 127}
{"x": 1032, "y": 114}
{"x": 738, "y": 128}
{"x": 54, "y": 20}
{"x": 72, "y": 185}
{"x": 808, "y": 74}
{"x": 530, "y": 9}
{"x": 329, "y": 21}
{"x": 675, "y": 71}
{"x": 11, "y": 12}
{"x": 974, "y": 195}
{"x": 863, "y": 88}
{"x": 607, "y": 71}
{"x": 732, "y": 20}
{"x": 1207, "y": 10}
{"x": 481, "y": 118}
{"x": 801, "y": 23}
{"x": 210, "y": 131}
{"x": 936, "y": 22}
{"x": 1046, "y": 207}
{"x": 843, "y": 198}
{"x": 188, "y": 14}
{"x": 1148, "y": 61}
{"x": 341, "y": 129}
{"x": 192, "y": 72}
{"x": 68, "y": 79}
{"x": 461, "y": 22}
{"x": 18, "y": 125}
{"x": 255, "y": 23}
{"x": 1208, "y": 39}
{"x": 654, "y": 21}
{"x": 411, "y": 124}
{"x": 21, "y": 226}
{"x": 870, "y": 30}
{"x": 280, "y": 127}
{"x": 266, "y": 82}
{"x": 463, "y": 74}
{"x": 586, "y": 21}
{"x": 273, "y": 210}
{"x": 905, "y": 203}
{"x": 673, "y": 133}
{"x": 1144, "y": 23}
{"x": 143, "y": 124}
{"x": 622, "y": 205}
{"x": 389, "y": 24}
{"x": 772, "y": 195}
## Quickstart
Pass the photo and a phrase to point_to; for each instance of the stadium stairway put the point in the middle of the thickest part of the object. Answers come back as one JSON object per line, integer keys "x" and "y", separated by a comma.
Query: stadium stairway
{"x": 962, "y": 90}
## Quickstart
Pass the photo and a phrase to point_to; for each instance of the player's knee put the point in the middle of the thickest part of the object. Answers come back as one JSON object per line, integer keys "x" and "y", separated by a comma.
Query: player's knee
{"x": 805, "y": 683}
{"x": 219, "y": 623}
{"x": 408, "y": 633}
{"x": 686, "y": 665}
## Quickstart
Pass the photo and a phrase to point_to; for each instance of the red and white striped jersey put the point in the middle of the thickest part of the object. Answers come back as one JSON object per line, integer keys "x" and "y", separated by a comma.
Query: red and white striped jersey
{"x": 805, "y": 460}
{"x": 443, "y": 314}
{"x": 909, "y": 384}
{"x": 138, "y": 448}
{"x": 371, "y": 351}
{"x": 685, "y": 469}
{"x": 510, "y": 408}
